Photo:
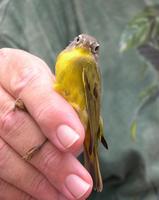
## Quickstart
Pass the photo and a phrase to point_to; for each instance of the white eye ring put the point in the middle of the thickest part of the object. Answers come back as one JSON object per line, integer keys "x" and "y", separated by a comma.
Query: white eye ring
{"x": 95, "y": 48}
{"x": 78, "y": 39}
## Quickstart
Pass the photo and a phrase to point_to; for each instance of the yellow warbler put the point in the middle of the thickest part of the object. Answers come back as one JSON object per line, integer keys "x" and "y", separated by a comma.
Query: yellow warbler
{"x": 78, "y": 81}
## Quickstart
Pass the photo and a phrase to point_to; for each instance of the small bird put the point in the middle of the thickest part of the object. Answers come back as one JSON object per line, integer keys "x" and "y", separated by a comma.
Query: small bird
{"x": 78, "y": 80}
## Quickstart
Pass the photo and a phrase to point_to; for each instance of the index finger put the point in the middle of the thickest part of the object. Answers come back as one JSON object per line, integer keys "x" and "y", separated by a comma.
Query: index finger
{"x": 27, "y": 77}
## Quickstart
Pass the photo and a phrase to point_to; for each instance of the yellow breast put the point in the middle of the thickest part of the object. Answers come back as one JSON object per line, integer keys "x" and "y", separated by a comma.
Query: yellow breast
{"x": 69, "y": 82}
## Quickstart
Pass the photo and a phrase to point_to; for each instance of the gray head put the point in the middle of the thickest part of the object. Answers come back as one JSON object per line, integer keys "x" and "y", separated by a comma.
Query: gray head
{"x": 86, "y": 41}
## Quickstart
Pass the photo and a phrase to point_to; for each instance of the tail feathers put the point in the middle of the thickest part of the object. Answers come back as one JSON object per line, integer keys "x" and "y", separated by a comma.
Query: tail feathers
{"x": 100, "y": 134}
{"x": 92, "y": 165}
{"x": 104, "y": 142}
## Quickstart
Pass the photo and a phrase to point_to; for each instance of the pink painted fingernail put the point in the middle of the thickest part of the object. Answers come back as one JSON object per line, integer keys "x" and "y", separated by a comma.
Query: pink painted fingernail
{"x": 76, "y": 186}
{"x": 66, "y": 136}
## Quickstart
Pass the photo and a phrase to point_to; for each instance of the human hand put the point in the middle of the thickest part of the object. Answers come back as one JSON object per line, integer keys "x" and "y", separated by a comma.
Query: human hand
{"x": 54, "y": 172}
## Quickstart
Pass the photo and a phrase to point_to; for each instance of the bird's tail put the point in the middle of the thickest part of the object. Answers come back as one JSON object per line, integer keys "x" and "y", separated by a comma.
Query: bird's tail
{"x": 91, "y": 158}
{"x": 91, "y": 162}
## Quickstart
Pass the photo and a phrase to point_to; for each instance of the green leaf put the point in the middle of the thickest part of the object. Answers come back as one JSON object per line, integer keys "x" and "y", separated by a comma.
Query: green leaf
{"x": 133, "y": 129}
{"x": 149, "y": 91}
{"x": 135, "y": 34}
{"x": 143, "y": 28}
{"x": 149, "y": 96}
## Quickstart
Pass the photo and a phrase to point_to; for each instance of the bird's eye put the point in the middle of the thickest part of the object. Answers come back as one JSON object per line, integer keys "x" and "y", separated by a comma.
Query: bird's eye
{"x": 95, "y": 48}
{"x": 78, "y": 39}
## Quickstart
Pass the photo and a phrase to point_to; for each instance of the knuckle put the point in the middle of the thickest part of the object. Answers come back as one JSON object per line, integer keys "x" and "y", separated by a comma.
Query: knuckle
{"x": 50, "y": 161}
{"x": 40, "y": 113}
{"x": 46, "y": 112}
{"x": 11, "y": 124}
{"x": 5, "y": 116}
{"x": 38, "y": 184}
{"x": 50, "y": 109}
{"x": 5, "y": 110}
{"x": 23, "y": 77}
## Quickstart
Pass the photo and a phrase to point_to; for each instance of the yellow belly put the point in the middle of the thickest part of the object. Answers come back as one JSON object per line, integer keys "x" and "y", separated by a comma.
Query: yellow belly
{"x": 69, "y": 81}
{"x": 70, "y": 85}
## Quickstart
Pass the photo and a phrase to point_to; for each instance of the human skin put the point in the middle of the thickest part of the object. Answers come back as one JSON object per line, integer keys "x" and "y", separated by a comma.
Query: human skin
{"x": 53, "y": 173}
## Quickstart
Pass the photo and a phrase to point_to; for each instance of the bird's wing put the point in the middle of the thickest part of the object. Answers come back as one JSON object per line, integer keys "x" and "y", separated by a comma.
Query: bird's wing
{"x": 92, "y": 87}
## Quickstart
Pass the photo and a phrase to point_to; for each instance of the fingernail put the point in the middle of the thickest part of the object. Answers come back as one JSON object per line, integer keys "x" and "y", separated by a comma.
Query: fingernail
{"x": 66, "y": 136}
{"x": 76, "y": 186}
